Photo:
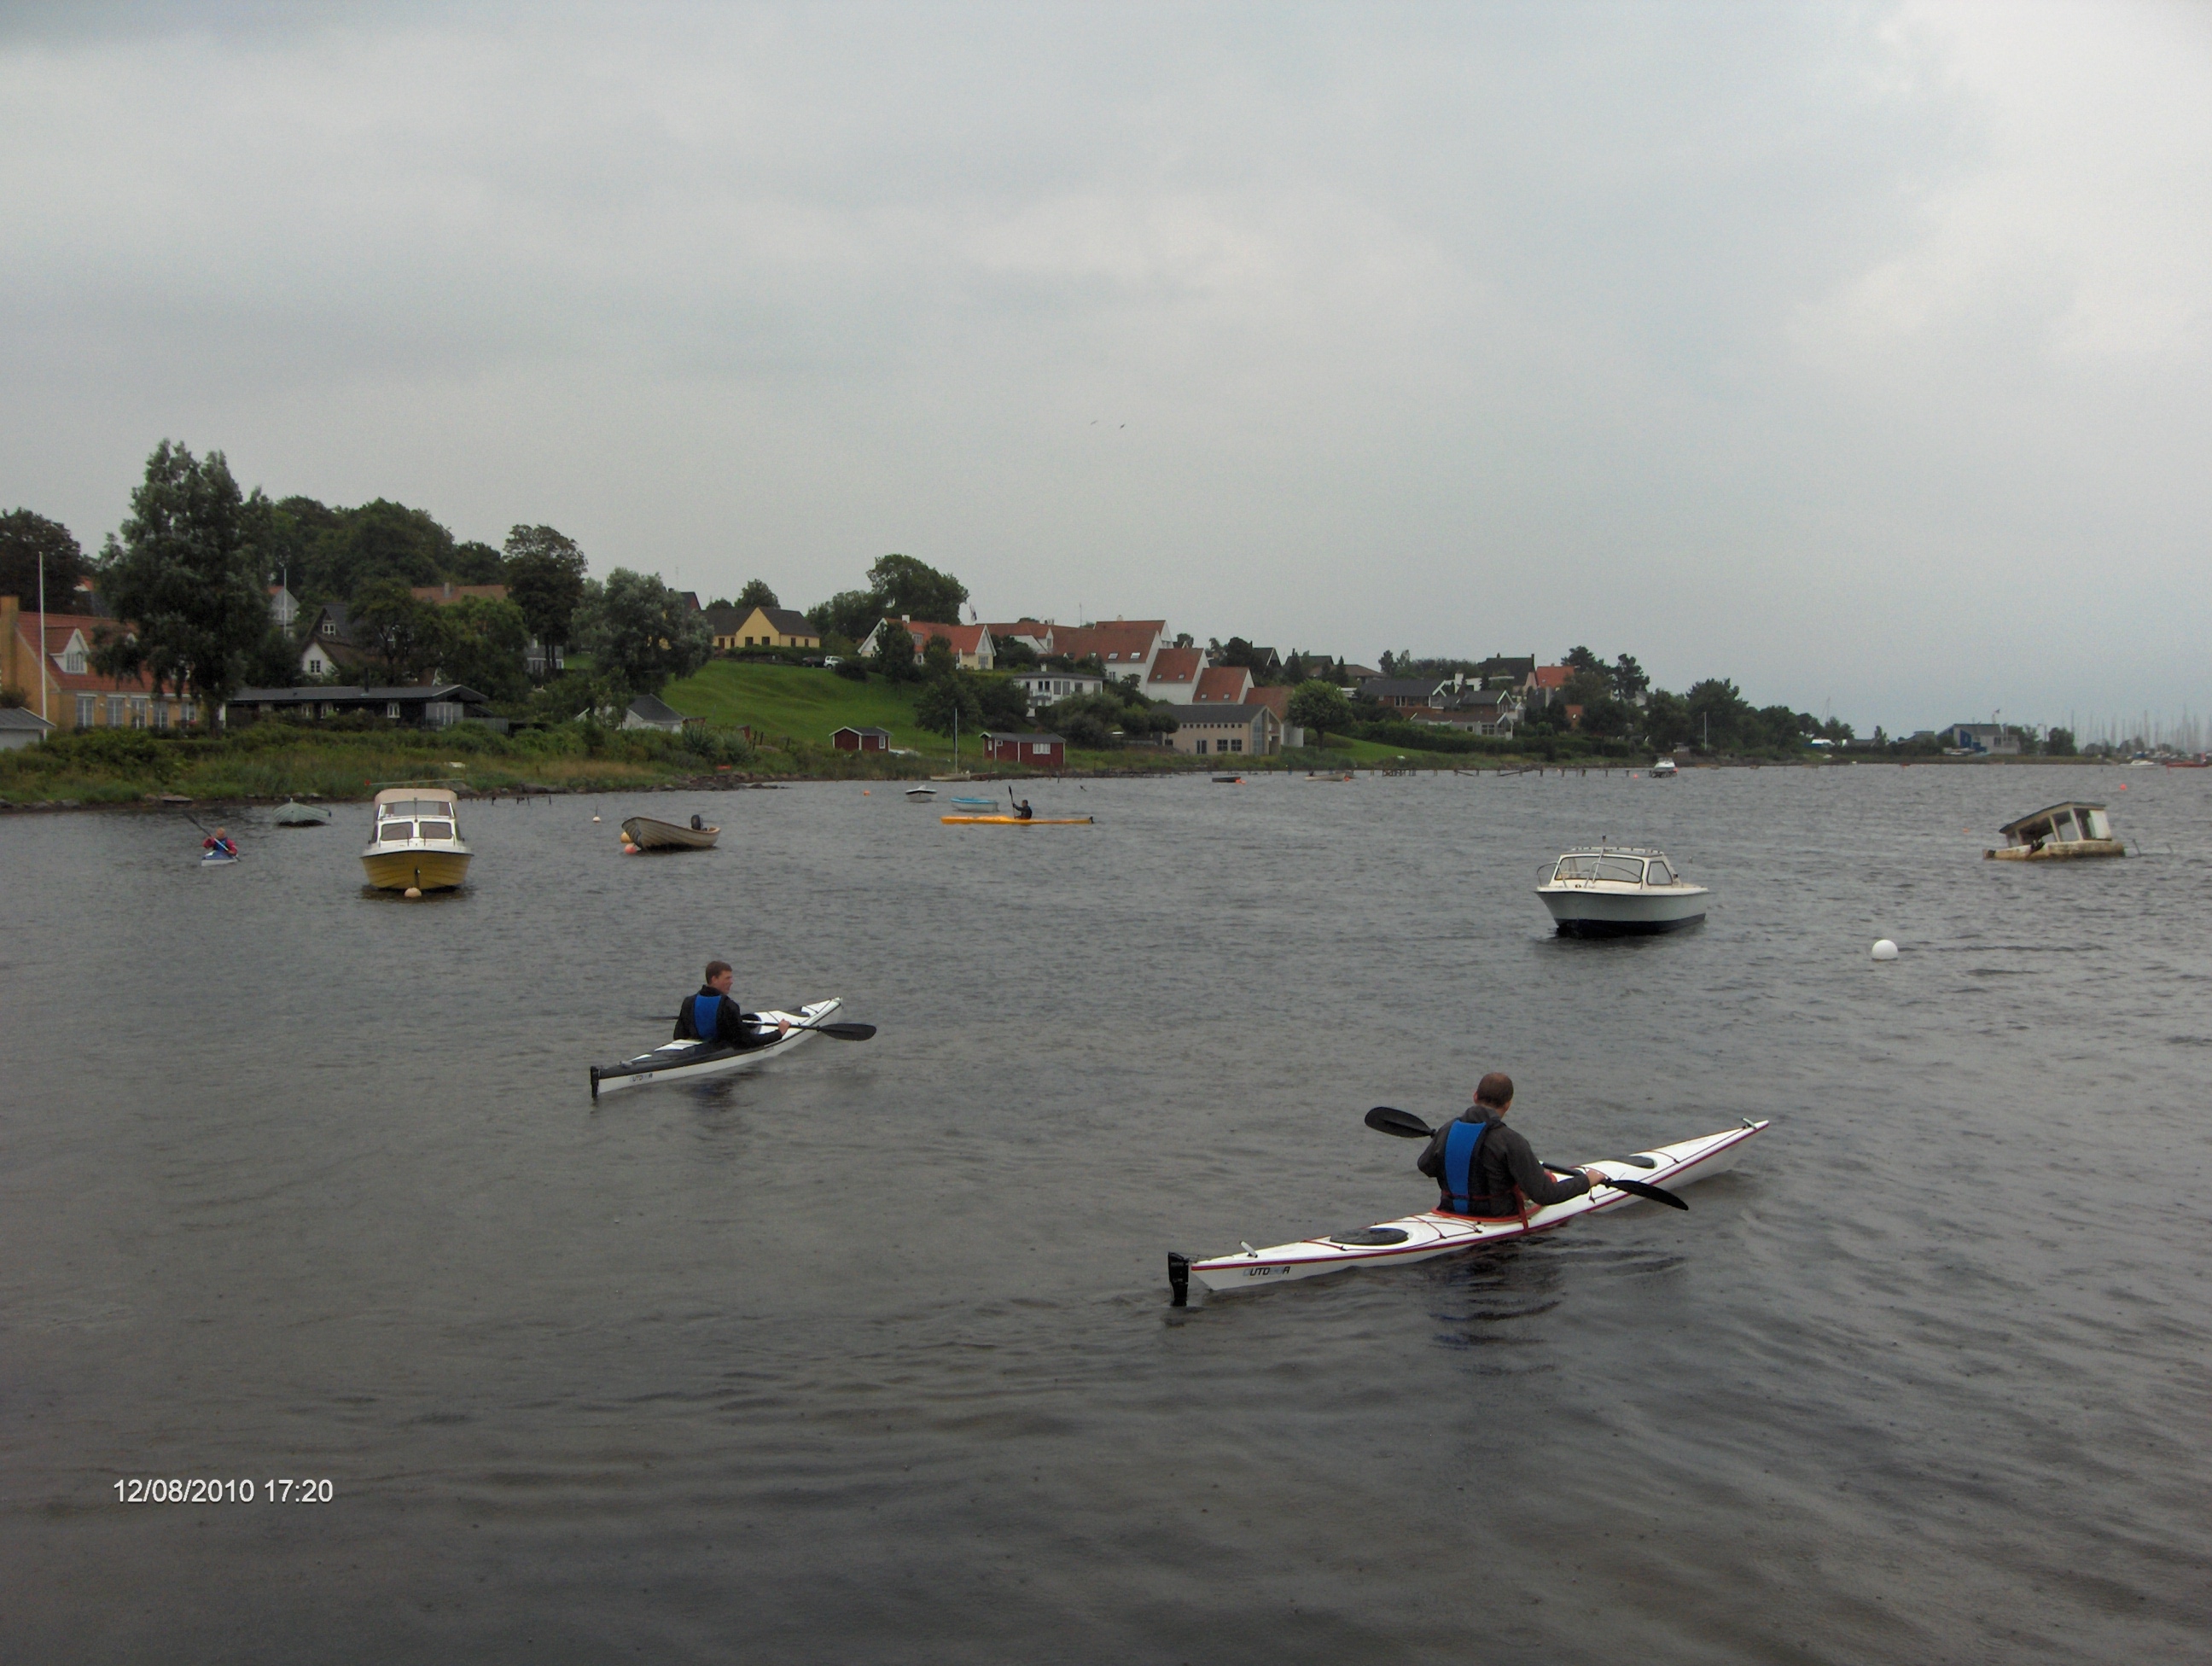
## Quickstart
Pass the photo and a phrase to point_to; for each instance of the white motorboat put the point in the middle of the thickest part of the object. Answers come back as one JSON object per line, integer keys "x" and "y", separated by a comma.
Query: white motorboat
{"x": 1617, "y": 890}
{"x": 1665, "y": 770}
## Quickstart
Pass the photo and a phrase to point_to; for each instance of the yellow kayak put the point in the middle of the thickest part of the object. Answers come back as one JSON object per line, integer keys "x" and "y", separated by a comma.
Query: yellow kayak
{"x": 1016, "y": 821}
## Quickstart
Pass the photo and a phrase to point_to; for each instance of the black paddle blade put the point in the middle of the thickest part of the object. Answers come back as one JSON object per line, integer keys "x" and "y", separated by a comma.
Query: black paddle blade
{"x": 1656, "y": 1194}
{"x": 840, "y": 1031}
{"x": 1389, "y": 1119}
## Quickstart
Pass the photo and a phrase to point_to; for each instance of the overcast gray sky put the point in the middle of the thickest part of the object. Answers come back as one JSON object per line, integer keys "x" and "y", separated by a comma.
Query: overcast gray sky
{"x": 1858, "y": 352}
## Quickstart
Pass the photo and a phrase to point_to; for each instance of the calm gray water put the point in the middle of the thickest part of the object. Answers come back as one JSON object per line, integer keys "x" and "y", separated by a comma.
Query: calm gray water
{"x": 869, "y": 1357}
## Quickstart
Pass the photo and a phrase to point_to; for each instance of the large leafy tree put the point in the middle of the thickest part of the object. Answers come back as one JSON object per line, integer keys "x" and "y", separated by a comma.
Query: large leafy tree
{"x": 545, "y": 580}
{"x": 905, "y": 585}
{"x": 485, "y": 644}
{"x": 476, "y": 563}
{"x": 407, "y": 635}
{"x": 187, "y": 577}
{"x": 378, "y": 540}
{"x": 27, "y": 539}
{"x": 941, "y": 698}
{"x": 895, "y": 654}
{"x": 1719, "y": 714}
{"x": 1667, "y": 721}
{"x": 756, "y": 594}
{"x": 639, "y": 633}
{"x": 1319, "y": 707}
{"x": 851, "y": 614}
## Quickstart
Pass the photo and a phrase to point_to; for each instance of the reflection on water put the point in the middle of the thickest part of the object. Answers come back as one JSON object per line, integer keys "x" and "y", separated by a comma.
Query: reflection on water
{"x": 868, "y": 1356}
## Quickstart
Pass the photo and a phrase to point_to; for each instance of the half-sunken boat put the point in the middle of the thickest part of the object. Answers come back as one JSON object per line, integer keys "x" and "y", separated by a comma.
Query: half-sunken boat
{"x": 417, "y": 844}
{"x": 2058, "y": 834}
{"x": 1617, "y": 891}
{"x": 293, "y": 813}
{"x": 647, "y": 833}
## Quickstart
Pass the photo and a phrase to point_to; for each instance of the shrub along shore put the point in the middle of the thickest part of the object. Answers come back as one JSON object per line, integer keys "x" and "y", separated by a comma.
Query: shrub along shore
{"x": 276, "y": 760}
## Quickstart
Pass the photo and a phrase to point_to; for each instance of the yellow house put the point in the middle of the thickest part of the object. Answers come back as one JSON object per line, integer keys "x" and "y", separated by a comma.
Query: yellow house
{"x": 771, "y": 627}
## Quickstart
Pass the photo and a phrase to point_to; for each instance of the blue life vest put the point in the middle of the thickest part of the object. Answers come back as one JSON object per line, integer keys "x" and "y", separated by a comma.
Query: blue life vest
{"x": 1460, "y": 1175}
{"x": 706, "y": 1015}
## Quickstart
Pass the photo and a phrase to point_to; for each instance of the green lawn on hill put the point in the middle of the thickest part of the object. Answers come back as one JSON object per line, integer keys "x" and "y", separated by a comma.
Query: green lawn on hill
{"x": 808, "y": 705}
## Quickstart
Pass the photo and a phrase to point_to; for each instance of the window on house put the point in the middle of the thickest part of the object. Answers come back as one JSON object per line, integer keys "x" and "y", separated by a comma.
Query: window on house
{"x": 85, "y": 706}
{"x": 138, "y": 714}
{"x": 1198, "y": 747}
{"x": 160, "y": 713}
{"x": 115, "y": 711}
{"x": 1236, "y": 745}
{"x": 391, "y": 708}
{"x": 73, "y": 661}
{"x": 329, "y": 627}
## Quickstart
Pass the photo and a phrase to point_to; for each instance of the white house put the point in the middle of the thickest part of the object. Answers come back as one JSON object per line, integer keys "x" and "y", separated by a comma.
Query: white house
{"x": 1043, "y": 687}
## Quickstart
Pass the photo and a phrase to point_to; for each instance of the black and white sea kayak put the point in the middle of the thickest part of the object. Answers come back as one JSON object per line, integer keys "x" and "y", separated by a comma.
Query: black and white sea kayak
{"x": 688, "y": 1061}
{"x": 1419, "y": 1238}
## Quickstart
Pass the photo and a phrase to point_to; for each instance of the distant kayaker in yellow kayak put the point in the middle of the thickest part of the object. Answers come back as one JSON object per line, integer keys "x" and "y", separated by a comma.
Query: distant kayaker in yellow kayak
{"x": 712, "y": 1015}
{"x": 1022, "y": 811}
{"x": 1487, "y": 1169}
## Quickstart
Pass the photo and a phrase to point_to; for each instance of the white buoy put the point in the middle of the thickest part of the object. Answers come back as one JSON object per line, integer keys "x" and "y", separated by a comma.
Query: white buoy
{"x": 412, "y": 892}
{"x": 1885, "y": 949}
{"x": 595, "y": 819}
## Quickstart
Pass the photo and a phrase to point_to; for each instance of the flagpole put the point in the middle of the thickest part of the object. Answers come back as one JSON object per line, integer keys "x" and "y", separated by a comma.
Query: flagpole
{"x": 42, "y": 639}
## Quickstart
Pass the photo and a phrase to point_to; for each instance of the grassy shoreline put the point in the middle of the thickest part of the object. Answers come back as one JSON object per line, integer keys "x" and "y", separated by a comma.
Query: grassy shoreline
{"x": 760, "y": 724}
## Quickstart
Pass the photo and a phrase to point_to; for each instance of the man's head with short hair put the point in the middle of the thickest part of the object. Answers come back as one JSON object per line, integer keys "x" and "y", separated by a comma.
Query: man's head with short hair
{"x": 717, "y": 969}
{"x": 1495, "y": 1090}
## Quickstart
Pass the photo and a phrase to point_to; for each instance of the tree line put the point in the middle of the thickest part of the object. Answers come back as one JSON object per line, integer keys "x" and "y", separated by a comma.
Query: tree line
{"x": 185, "y": 580}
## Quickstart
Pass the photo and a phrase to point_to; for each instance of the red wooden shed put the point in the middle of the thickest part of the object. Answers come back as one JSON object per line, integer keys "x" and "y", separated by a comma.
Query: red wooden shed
{"x": 1039, "y": 751}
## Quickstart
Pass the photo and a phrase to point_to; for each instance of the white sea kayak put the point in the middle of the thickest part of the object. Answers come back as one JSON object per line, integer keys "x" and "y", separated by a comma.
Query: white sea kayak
{"x": 1419, "y": 1238}
{"x": 689, "y": 1060}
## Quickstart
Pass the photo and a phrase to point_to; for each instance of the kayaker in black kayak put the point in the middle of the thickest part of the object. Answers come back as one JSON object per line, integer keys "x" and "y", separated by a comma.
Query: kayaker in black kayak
{"x": 712, "y": 1014}
{"x": 1487, "y": 1169}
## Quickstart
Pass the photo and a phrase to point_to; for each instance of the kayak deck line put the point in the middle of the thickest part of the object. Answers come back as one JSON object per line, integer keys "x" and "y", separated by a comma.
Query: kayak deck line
{"x": 1435, "y": 1232}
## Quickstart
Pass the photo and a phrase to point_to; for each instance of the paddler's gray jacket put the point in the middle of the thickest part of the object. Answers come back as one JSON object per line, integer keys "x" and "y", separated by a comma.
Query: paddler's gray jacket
{"x": 1504, "y": 1161}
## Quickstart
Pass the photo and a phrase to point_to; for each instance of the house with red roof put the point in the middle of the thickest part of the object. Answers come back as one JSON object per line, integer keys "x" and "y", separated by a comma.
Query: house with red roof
{"x": 49, "y": 660}
{"x": 971, "y": 643}
{"x": 1227, "y": 685}
{"x": 1545, "y": 684}
{"x": 1174, "y": 674}
{"x": 1126, "y": 647}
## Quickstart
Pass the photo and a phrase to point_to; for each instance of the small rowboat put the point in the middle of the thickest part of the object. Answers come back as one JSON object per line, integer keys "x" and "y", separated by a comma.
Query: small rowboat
{"x": 647, "y": 833}
{"x": 974, "y": 804}
{"x": 1420, "y": 1238}
{"x": 682, "y": 1061}
{"x": 921, "y": 792}
{"x": 291, "y": 814}
{"x": 1229, "y": 781}
{"x": 1015, "y": 821}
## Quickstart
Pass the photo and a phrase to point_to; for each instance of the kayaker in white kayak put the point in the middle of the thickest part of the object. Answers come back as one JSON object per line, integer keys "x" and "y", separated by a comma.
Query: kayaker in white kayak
{"x": 218, "y": 843}
{"x": 1485, "y": 1169}
{"x": 712, "y": 1015}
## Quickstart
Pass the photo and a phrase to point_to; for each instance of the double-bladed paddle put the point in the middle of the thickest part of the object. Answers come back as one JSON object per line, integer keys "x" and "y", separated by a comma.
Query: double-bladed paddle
{"x": 835, "y": 1031}
{"x": 1389, "y": 1119}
